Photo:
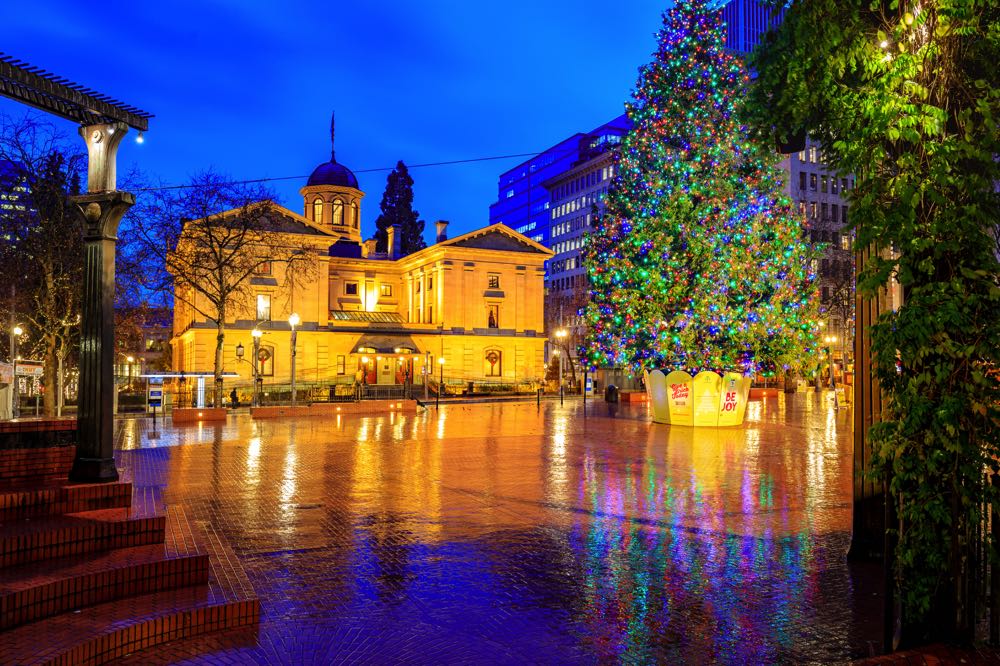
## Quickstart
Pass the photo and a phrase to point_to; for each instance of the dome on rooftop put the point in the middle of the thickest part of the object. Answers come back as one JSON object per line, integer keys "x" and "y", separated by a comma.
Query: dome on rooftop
{"x": 332, "y": 173}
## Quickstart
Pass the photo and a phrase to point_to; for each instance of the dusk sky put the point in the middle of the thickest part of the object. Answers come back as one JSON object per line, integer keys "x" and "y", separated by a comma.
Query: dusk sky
{"x": 247, "y": 87}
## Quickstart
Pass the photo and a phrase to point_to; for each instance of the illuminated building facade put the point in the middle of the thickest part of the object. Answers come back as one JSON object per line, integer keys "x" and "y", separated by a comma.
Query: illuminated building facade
{"x": 475, "y": 301}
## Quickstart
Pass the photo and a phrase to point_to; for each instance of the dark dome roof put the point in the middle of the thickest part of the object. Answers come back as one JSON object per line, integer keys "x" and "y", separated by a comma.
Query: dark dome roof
{"x": 331, "y": 173}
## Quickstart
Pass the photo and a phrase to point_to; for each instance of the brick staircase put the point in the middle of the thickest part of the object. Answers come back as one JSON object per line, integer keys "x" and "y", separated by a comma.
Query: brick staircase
{"x": 90, "y": 573}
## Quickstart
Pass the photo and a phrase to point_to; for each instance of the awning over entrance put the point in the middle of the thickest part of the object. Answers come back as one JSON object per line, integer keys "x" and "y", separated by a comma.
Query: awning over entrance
{"x": 385, "y": 344}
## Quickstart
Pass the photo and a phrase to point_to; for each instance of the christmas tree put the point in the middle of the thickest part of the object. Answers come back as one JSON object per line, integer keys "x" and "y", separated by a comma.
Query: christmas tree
{"x": 697, "y": 261}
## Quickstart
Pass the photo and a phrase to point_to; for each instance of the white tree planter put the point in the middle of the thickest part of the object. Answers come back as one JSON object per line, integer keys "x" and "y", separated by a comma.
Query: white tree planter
{"x": 707, "y": 399}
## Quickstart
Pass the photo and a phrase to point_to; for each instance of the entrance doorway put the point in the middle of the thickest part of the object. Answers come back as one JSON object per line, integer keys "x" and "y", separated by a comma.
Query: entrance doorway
{"x": 386, "y": 370}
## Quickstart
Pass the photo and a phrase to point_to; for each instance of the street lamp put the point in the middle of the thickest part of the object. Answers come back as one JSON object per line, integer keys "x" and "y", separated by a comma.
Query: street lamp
{"x": 561, "y": 334}
{"x": 293, "y": 321}
{"x": 15, "y": 402}
{"x": 130, "y": 360}
{"x": 440, "y": 382}
{"x": 830, "y": 339}
{"x": 256, "y": 333}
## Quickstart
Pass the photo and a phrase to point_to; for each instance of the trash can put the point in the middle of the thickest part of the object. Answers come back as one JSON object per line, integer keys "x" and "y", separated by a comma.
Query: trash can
{"x": 611, "y": 393}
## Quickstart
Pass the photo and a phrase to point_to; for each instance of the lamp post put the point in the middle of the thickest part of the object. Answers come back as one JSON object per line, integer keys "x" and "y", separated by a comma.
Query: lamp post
{"x": 557, "y": 353}
{"x": 830, "y": 339}
{"x": 426, "y": 372}
{"x": 440, "y": 382}
{"x": 256, "y": 333}
{"x": 293, "y": 321}
{"x": 561, "y": 334}
{"x": 130, "y": 360}
{"x": 15, "y": 400}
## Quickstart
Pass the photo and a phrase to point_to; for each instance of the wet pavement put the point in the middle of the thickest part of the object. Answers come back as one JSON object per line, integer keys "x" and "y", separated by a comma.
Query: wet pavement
{"x": 510, "y": 533}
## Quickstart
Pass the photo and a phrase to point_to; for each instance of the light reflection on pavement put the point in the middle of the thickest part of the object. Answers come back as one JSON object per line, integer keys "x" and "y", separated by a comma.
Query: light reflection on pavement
{"x": 508, "y": 533}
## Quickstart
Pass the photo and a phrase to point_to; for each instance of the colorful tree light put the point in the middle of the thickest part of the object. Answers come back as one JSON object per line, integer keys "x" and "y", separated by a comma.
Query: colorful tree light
{"x": 698, "y": 261}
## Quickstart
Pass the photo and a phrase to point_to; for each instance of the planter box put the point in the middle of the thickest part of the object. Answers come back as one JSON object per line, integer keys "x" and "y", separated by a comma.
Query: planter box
{"x": 707, "y": 399}
{"x": 195, "y": 414}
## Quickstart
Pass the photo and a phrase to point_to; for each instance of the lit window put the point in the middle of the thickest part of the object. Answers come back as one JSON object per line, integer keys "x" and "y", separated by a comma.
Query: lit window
{"x": 845, "y": 242}
{"x": 510, "y": 193}
{"x": 318, "y": 211}
{"x": 263, "y": 307}
{"x": 493, "y": 281}
{"x": 354, "y": 214}
{"x": 812, "y": 154}
{"x": 263, "y": 268}
{"x": 351, "y": 288}
{"x": 812, "y": 182}
{"x": 822, "y": 184}
{"x": 338, "y": 212}
{"x": 385, "y": 289}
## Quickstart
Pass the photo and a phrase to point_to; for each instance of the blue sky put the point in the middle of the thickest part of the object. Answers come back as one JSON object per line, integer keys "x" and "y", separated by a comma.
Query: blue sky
{"x": 247, "y": 87}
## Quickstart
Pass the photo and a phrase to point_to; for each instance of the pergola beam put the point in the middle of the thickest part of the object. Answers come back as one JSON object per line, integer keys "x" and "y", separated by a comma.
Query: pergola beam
{"x": 61, "y": 97}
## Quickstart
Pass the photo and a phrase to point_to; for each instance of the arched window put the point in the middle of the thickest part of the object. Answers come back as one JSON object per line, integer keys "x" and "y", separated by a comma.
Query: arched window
{"x": 354, "y": 214}
{"x": 338, "y": 212}
{"x": 318, "y": 211}
{"x": 493, "y": 363}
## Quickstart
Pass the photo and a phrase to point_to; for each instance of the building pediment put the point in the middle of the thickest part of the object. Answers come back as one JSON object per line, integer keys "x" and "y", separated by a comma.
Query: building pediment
{"x": 498, "y": 237}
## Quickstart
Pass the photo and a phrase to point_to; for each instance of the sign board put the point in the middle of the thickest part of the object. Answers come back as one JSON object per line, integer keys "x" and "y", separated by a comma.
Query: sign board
{"x": 707, "y": 397}
{"x": 656, "y": 390}
{"x": 154, "y": 394}
{"x": 735, "y": 392}
{"x": 29, "y": 369}
{"x": 589, "y": 386}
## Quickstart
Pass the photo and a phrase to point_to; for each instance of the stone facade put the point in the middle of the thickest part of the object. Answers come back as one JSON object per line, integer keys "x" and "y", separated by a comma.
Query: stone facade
{"x": 475, "y": 300}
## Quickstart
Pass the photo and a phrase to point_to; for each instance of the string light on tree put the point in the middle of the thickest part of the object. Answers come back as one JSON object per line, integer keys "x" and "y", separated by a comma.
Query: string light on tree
{"x": 698, "y": 261}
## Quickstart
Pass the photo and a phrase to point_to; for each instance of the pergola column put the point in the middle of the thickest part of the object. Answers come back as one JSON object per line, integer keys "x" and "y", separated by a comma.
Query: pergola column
{"x": 102, "y": 209}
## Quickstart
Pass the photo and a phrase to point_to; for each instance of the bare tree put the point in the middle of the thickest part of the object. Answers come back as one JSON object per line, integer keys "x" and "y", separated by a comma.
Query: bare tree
{"x": 41, "y": 243}
{"x": 201, "y": 245}
{"x": 561, "y": 307}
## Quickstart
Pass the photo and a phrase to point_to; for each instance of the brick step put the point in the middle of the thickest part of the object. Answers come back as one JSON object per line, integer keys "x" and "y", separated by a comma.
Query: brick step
{"x": 36, "y": 464}
{"x": 103, "y": 633}
{"x": 223, "y": 647}
{"x": 30, "y": 592}
{"x": 21, "y": 500}
{"x": 34, "y": 539}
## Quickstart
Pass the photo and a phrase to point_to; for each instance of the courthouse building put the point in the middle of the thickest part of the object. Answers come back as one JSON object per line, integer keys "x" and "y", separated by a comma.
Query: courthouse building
{"x": 475, "y": 301}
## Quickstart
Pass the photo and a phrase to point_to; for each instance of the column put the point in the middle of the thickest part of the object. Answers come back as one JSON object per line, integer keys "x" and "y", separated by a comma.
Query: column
{"x": 102, "y": 209}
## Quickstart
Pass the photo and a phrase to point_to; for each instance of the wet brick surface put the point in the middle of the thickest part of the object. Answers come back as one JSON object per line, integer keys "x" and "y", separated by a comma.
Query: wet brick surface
{"x": 510, "y": 533}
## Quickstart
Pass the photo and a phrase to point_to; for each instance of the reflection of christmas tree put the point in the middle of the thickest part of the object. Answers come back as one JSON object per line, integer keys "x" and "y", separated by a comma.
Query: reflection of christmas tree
{"x": 697, "y": 261}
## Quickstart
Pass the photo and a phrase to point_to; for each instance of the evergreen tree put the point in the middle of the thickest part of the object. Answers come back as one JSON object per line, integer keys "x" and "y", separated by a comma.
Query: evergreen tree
{"x": 698, "y": 261}
{"x": 397, "y": 208}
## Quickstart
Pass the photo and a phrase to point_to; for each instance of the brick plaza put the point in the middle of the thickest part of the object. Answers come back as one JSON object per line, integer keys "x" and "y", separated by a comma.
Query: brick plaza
{"x": 512, "y": 533}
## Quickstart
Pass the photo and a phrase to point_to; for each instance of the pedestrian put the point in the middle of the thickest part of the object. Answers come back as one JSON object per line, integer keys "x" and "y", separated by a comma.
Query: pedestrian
{"x": 234, "y": 399}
